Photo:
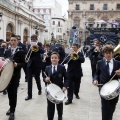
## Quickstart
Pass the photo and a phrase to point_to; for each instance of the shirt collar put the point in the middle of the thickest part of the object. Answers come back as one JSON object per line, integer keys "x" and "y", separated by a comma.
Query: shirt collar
{"x": 111, "y": 61}
{"x": 55, "y": 66}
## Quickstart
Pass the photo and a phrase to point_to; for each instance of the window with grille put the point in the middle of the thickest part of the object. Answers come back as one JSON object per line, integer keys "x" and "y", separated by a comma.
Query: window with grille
{"x": 105, "y": 7}
{"x": 91, "y": 6}
{"x": 77, "y": 7}
{"x": 118, "y": 6}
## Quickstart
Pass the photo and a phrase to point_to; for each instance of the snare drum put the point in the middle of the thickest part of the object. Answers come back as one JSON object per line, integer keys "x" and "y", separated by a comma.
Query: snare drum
{"x": 110, "y": 90}
{"x": 54, "y": 93}
{"x": 6, "y": 72}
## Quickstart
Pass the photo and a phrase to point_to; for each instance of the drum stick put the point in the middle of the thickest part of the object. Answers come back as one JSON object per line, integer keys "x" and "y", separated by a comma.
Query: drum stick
{"x": 112, "y": 77}
{"x": 99, "y": 84}
{"x": 46, "y": 76}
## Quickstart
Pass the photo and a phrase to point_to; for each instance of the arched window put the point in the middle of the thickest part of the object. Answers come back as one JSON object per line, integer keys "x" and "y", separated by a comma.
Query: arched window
{"x": 76, "y": 22}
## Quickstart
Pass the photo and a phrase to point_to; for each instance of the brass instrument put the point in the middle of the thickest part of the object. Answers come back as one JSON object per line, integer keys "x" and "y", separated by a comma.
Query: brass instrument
{"x": 74, "y": 56}
{"x": 44, "y": 56}
{"x": 33, "y": 48}
{"x": 117, "y": 49}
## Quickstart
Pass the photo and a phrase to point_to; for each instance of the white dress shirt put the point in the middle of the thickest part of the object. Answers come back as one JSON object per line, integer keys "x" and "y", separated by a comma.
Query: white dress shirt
{"x": 53, "y": 68}
{"x": 110, "y": 66}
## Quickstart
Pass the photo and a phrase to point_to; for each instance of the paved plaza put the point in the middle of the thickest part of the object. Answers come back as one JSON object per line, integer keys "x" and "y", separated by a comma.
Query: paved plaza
{"x": 86, "y": 108}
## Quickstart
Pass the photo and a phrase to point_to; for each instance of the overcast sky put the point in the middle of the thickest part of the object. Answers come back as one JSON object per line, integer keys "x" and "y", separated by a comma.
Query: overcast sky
{"x": 64, "y": 4}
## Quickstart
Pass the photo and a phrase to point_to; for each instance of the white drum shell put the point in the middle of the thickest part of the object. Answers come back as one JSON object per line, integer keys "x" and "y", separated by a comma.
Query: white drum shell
{"x": 54, "y": 93}
{"x": 6, "y": 74}
{"x": 110, "y": 90}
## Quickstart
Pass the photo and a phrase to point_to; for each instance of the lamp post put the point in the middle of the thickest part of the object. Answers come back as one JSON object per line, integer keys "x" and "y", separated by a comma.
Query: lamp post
{"x": 84, "y": 26}
{"x": 1, "y": 16}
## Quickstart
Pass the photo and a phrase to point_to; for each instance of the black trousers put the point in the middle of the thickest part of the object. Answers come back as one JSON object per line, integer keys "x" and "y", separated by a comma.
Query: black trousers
{"x": 74, "y": 86}
{"x": 108, "y": 108}
{"x": 51, "y": 109}
{"x": 93, "y": 68}
{"x": 36, "y": 72}
{"x": 12, "y": 93}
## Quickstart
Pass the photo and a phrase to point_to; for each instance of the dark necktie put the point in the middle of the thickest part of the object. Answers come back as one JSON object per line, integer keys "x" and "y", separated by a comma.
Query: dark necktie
{"x": 12, "y": 50}
{"x": 54, "y": 70}
{"x": 107, "y": 66}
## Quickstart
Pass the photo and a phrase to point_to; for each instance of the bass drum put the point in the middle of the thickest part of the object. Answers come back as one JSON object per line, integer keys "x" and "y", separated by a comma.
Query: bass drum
{"x": 110, "y": 90}
{"x": 6, "y": 72}
{"x": 54, "y": 93}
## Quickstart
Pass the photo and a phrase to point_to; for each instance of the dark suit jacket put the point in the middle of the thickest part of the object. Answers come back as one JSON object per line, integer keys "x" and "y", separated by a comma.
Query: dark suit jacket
{"x": 1, "y": 51}
{"x": 74, "y": 66}
{"x": 102, "y": 74}
{"x": 35, "y": 57}
{"x": 23, "y": 46}
{"x": 19, "y": 58}
{"x": 59, "y": 78}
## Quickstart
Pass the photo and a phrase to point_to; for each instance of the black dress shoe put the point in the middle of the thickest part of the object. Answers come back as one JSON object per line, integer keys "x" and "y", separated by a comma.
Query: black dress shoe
{"x": 77, "y": 96}
{"x": 28, "y": 98}
{"x": 68, "y": 102}
{"x": 11, "y": 117}
{"x": 39, "y": 92}
{"x": 59, "y": 118}
{"x": 8, "y": 112}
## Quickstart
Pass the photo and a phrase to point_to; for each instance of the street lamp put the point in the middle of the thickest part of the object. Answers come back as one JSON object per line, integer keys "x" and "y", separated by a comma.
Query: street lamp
{"x": 1, "y": 16}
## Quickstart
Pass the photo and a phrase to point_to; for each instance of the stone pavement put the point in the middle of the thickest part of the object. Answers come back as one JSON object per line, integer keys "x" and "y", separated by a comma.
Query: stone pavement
{"x": 87, "y": 108}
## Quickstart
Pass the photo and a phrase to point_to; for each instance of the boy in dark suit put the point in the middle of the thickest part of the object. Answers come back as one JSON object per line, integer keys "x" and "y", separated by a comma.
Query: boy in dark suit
{"x": 106, "y": 68}
{"x": 16, "y": 54}
{"x": 56, "y": 74}
{"x": 34, "y": 66}
{"x": 74, "y": 72}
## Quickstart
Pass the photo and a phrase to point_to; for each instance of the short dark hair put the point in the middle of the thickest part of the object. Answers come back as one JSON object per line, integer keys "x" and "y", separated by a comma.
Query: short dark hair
{"x": 18, "y": 36}
{"x": 13, "y": 35}
{"x": 48, "y": 45}
{"x": 75, "y": 44}
{"x": 107, "y": 49}
{"x": 34, "y": 37}
{"x": 109, "y": 43}
{"x": 55, "y": 53}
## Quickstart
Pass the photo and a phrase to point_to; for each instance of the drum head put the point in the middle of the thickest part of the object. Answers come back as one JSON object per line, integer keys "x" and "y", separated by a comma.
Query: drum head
{"x": 6, "y": 75}
{"x": 56, "y": 92}
{"x": 109, "y": 87}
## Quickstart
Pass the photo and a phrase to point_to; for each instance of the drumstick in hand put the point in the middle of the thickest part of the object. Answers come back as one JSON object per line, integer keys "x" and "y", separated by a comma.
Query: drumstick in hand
{"x": 46, "y": 76}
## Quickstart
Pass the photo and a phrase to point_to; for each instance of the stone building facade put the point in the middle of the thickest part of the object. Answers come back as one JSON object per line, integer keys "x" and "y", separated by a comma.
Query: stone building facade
{"x": 18, "y": 18}
{"x": 82, "y": 13}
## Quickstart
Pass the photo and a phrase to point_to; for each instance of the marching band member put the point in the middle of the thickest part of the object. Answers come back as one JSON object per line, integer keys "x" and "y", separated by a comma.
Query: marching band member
{"x": 18, "y": 56}
{"x": 46, "y": 58}
{"x": 94, "y": 52}
{"x": 34, "y": 66}
{"x": 106, "y": 68}
{"x": 74, "y": 72}
{"x": 56, "y": 74}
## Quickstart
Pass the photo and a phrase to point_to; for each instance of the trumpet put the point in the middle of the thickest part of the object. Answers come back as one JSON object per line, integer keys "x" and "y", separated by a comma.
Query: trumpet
{"x": 73, "y": 56}
{"x": 44, "y": 56}
{"x": 33, "y": 48}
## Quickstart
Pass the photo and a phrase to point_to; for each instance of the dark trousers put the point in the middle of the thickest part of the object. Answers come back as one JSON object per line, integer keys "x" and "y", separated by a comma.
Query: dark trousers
{"x": 12, "y": 94}
{"x": 36, "y": 72}
{"x": 74, "y": 86}
{"x": 25, "y": 70}
{"x": 108, "y": 108}
{"x": 93, "y": 67}
{"x": 51, "y": 109}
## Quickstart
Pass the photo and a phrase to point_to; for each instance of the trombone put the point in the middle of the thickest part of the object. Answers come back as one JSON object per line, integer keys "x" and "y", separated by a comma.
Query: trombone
{"x": 74, "y": 56}
{"x": 33, "y": 48}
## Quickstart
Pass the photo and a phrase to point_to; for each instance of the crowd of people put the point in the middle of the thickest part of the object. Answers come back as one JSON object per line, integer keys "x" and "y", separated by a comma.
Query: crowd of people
{"x": 36, "y": 59}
